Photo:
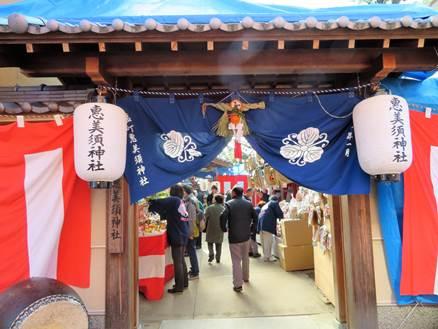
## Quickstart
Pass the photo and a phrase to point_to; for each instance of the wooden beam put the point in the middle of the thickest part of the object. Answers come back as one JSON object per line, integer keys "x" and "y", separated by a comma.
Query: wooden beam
{"x": 102, "y": 47}
{"x": 138, "y": 46}
{"x": 315, "y": 44}
{"x": 174, "y": 45}
{"x": 338, "y": 261}
{"x": 420, "y": 43}
{"x": 351, "y": 44}
{"x": 65, "y": 47}
{"x": 359, "y": 265}
{"x": 245, "y": 45}
{"x": 280, "y": 44}
{"x": 210, "y": 45}
{"x": 94, "y": 70}
{"x": 382, "y": 67}
{"x": 29, "y": 48}
{"x": 288, "y": 61}
{"x": 121, "y": 289}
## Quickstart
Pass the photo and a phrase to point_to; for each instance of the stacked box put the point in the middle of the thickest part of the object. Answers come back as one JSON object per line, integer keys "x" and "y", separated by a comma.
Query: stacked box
{"x": 296, "y": 232}
{"x": 296, "y": 258}
{"x": 296, "y": 251}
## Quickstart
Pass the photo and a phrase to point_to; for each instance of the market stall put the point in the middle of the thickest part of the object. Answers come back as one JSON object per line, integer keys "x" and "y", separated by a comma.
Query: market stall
{"x": 155, "y": 266}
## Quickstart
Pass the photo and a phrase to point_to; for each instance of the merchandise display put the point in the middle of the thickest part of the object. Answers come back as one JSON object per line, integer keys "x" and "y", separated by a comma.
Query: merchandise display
{"x": 150, "y": 224}
{"x": 155, "y": 260}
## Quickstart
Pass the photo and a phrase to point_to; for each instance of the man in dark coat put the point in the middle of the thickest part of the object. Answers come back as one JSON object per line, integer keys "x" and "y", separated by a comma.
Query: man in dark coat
{"x": 268, "y": 225}
{"x": 237, "y": 218}
{"x": 173, "y": 210}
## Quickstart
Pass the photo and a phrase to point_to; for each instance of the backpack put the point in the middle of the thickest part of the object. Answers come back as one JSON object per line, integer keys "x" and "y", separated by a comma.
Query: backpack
{"x": 200, "y": 220}
{"x": 182, "y": 210}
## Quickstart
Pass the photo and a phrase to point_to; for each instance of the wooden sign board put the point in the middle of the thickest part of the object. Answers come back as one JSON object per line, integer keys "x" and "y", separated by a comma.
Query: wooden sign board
{"x": 116, "y": 216}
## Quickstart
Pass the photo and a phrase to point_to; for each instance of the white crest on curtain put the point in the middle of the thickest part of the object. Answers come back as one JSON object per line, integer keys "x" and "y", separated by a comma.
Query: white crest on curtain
{"x": 305, "y": 147}
{"x": 177, "y": 146}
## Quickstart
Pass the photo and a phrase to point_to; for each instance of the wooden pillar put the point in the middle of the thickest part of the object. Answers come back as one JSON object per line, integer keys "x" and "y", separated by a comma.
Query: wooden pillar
{"x": 338, "y": 261}
{"x": 358, "y": 260}
{"x": 121, "y": 283}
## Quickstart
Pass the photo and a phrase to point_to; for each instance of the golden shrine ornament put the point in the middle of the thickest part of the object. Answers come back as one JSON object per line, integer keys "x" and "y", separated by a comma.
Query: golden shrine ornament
{"x": 233, "y": 122}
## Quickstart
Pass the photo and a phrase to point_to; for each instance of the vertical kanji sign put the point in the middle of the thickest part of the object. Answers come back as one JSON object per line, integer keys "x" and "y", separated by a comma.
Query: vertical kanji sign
{"x": 400, "y": 142}
{"x": 95, "y": 139}
{"x": 115, "y": 218}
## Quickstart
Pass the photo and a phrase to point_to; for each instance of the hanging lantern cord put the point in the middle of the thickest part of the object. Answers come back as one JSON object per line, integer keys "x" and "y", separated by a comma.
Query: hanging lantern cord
{"x": 330, "y": 114}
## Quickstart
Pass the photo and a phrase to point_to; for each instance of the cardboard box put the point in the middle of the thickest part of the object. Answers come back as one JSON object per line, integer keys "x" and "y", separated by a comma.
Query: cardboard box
{"x": 296, "y": 258}
{"x": 296, "y": 232}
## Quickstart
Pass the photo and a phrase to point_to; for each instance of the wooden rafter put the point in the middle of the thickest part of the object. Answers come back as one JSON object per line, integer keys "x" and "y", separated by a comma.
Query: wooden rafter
{"x": 382, "y": 67}
{"x": 138, "y": 46}
{"x": 65, "y": 47}
{"x": 93, "y": 69}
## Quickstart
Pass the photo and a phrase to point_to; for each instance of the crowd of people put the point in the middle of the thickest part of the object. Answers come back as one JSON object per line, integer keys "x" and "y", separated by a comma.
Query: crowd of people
{"x": 189, "y": 215}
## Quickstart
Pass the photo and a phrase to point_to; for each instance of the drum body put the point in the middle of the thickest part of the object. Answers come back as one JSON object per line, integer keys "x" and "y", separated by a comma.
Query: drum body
{"x": 41, "y": 303}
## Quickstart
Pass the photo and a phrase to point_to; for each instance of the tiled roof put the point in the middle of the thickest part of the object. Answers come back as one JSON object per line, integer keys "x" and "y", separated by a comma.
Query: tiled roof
{"x": 19, "y": 24}
{"x": 134, "y": 16}
{"x": 41, "y": 102}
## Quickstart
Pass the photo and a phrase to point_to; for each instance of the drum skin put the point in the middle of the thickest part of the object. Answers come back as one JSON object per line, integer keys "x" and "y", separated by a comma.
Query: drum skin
{"x": 41, "y": 303}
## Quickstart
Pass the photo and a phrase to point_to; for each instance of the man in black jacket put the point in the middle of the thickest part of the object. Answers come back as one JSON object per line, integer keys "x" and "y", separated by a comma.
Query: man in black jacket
{"x": 236, "y": 219}
{"x": 173, "y": 210}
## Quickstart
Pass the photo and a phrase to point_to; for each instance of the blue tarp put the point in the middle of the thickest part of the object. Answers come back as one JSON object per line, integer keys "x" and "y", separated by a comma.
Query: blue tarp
{"x": 197, "y": 11}
{"x": 419, "y": 94}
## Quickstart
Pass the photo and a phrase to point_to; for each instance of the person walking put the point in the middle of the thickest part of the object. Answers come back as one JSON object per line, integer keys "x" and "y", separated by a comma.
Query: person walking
{"x": 253, "y": 246}
{"x": 215, "y": 235}
{"x": 268, "y": 225}
{"x": 199, "y": 218}
{"x": 192, "y": 208}
{"x": 249, "y": 193}
{"x": 236, "y": 219}
{"x": 174, "y": 211}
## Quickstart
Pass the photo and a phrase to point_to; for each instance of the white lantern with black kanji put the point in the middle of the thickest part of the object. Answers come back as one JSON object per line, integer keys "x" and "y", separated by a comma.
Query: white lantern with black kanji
{"x": 383, "y": 135}
{"x": 100, "y": 136}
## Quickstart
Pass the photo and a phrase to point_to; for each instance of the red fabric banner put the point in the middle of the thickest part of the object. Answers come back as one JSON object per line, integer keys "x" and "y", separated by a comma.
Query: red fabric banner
{"x": 237, "y": 150}
{"x": 420, "y": 218}
{"x": 45, "y": 208}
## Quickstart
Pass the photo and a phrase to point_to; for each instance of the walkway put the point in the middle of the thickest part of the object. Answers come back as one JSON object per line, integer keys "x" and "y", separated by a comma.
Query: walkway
{"x": 272, "y": 295}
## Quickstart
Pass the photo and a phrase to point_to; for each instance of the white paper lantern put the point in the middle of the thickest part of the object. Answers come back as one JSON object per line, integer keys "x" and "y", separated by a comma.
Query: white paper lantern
{"x": 383, "y": 135}
{"x": 100, "y": 142}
